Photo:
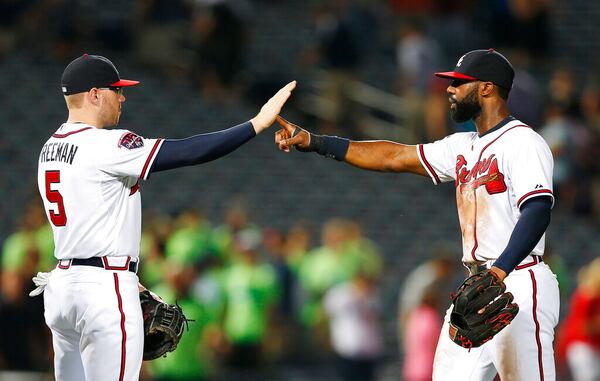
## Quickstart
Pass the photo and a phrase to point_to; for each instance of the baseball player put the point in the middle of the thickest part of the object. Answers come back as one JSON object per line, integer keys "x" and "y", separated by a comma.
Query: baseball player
{"x": 89, "y": 179}
{"x": 503, "y": 179}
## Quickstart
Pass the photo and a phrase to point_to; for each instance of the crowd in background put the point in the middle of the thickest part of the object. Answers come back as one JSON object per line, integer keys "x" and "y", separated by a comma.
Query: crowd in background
{"x": 207, "y": 42}
{"x": 260, "y": 296}
{"x": 257, "y": 296}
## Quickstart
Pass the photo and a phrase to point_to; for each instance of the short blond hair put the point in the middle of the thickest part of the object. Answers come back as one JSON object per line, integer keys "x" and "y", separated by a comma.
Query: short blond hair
{"x": 75, "y": 100}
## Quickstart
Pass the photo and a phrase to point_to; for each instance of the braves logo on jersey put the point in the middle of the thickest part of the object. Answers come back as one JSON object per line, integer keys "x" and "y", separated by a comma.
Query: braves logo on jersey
{"x": 130, "y": 141}
{"x": 485, "y": 172}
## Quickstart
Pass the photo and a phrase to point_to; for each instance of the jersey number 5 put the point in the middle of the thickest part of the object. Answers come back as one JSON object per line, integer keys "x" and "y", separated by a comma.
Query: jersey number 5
{"x": 60, "y": 218}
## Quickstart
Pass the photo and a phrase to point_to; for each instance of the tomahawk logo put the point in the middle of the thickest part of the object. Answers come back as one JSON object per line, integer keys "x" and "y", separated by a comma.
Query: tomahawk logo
{"x": 460, "y": 61}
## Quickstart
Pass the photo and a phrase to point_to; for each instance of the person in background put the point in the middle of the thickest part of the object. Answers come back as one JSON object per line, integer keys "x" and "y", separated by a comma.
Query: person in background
{"x": 251, "y": 293}
{"x": 579, "y": 335}
{"x": 421, "y": 332}
{"x": 353, "y": 311}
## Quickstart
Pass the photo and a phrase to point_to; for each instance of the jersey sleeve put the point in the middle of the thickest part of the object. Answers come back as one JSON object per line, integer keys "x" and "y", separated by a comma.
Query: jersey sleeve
{"x": 124, "y": 153}
{"x": 439, "y": 158}
{"x": 531, "y": 165}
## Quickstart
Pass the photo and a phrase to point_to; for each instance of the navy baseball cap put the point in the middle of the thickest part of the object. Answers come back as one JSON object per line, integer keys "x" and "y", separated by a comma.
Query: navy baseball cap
{"x": 89, "y": 71}
{"x": 483, "y": 65}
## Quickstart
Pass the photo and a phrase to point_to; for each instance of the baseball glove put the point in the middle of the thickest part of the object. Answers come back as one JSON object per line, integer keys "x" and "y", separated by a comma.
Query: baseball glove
{"x": 482, "y": 308}
{"x": 163, "y": 325}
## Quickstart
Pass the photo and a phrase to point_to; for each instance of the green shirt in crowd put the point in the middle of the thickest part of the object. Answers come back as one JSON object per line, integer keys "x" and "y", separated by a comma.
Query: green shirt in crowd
{"x": 250, "y": 291}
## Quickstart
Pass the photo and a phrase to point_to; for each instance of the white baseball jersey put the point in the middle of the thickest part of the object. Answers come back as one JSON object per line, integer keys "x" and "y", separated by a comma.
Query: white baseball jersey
{"x": 494, "y": 175}
{"x": 89, "y": 181}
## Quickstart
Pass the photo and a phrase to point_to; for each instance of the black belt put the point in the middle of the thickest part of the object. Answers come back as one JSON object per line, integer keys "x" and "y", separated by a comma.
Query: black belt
{"x": 98, "y": 262}
{"x": 476, "y": 268}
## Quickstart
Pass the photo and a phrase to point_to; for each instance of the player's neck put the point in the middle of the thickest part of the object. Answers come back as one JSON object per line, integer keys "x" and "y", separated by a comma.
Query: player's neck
{"x": 81, "y": 116}
{"x": 490, "y": 117}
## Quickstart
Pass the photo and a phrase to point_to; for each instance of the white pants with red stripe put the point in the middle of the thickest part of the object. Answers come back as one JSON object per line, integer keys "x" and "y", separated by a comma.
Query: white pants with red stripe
{"x": 96, "y": 322}
{"x": 523, "y": 350}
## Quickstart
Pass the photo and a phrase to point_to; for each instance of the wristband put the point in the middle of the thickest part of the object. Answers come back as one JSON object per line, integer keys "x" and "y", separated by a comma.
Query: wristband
{"x": 332, "y": 147}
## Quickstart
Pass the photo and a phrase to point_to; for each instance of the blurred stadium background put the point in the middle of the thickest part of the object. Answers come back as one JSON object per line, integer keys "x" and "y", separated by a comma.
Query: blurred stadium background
{"x": 259, "y": 245}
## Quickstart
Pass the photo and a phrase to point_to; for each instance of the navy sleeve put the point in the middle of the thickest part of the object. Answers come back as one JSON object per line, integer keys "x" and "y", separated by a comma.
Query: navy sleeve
{"x": 534, "y": 219}
{"x": 201, "y": 148}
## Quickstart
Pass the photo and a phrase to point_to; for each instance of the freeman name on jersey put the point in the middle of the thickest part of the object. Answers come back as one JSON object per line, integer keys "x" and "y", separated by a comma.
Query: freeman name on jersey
{"x": 64, "y": 152}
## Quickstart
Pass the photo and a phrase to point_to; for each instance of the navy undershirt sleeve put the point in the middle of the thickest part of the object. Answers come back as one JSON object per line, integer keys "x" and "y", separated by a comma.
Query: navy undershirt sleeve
{"x": 534, "y": 219}
{"x": 201, "y": 148}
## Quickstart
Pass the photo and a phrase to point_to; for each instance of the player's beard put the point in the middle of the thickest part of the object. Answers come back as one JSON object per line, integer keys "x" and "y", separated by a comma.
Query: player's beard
{"x": 467, "y": 109}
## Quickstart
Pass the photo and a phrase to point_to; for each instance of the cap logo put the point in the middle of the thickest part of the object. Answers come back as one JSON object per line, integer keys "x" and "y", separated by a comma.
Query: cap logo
{"x": 460, "y": 61}
{"x": 64, "y": 89}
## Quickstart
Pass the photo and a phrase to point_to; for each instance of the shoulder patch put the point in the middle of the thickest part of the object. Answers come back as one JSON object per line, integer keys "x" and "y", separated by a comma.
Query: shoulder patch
{"x": 130, "y": 141}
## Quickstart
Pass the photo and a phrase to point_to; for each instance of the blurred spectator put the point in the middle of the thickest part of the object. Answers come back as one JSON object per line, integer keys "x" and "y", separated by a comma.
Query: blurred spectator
{"x": 559, "y": 132}
{"x": 590, "y": 111}
{"x": 436, "y": 273}
{"x": 421, "y": 334}
{"x": 450, "y": 25}
{"x": 436, "y": 120}
{"x": 161, "y": 31}
{"x": 579, "y": 335}
{"x": 343, "y": 33}
{"x": 563, "y": 90}
{"x": 523, "y": 24}
{"x": 335, "y": 262}
{"x": 284, "y": 321}
{"x": 417, "y": 56}
{"x": 526, "y": 95}
{"x": 584, "y": 163}
{"x": 590, "y": 104}
{"x": 219, "y": 38}
{"x": 193, "y": 360}
{"x": 25, "y": 338}
{"x": 275, "y": 250}
{"x": 297, "y": 244}
{"x": 152, "y": 249}
{"x": 250, "y": 294}
{"x": 353, "y": 311}
{"x": 31, "y": 247}
{"x": 191, "y": 240}
{"x": 236, "y": 220}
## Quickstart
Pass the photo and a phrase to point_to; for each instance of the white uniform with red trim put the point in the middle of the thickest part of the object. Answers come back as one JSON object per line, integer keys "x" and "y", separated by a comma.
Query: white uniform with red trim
{"x": 89, "y": 181}
{"x": 494, "y": 174}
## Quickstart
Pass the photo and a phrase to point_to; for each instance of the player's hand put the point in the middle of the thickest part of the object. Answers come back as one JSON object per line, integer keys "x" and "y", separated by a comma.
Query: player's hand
{"x": 269, "y": 110}
{"x": 291, "y": 135}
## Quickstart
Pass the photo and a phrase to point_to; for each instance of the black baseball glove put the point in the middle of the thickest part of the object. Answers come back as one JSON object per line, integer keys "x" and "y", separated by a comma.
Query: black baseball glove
{"x": 163, "y": 325}
{"x": 482, "y": 308}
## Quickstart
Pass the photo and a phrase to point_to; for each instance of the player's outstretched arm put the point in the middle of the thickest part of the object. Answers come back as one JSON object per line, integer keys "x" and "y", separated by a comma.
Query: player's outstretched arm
{"x": 206, "y": 147}
{"x": 375, "y": 155}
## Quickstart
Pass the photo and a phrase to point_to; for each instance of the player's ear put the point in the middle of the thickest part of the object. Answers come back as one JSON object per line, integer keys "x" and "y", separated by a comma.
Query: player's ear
{"x": 93, "y": 96}
{"x": 486, "y": 88}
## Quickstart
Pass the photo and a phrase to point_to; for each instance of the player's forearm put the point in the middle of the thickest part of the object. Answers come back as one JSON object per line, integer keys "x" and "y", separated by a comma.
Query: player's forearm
{"x": 384, "y": 156}
{"x": 202, "y": 148}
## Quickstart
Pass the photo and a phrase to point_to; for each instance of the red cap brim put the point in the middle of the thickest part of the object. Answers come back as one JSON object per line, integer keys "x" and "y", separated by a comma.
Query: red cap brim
{"x": 454, "y": 74}
{"x": 125, "y": 83}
